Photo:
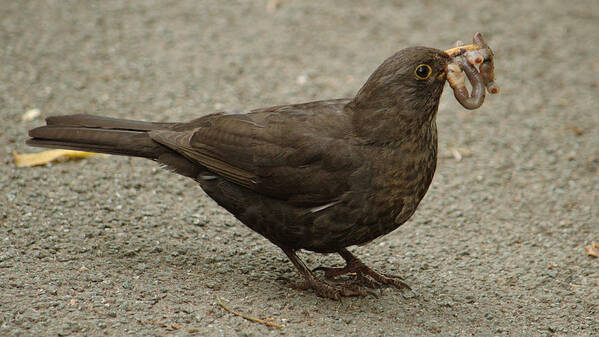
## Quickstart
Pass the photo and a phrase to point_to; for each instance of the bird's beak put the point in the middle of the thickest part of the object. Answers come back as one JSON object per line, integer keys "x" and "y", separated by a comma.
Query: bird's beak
{"x": 441, "y": 76}
{"x": 457, "y": 51}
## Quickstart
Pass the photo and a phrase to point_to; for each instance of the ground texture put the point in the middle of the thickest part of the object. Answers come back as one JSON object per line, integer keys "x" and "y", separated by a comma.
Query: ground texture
{"x": 117, "y": 246}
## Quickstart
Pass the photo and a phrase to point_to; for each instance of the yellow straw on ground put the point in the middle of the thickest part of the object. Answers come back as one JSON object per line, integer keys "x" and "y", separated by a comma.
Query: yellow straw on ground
{"x": 41, "y": 158}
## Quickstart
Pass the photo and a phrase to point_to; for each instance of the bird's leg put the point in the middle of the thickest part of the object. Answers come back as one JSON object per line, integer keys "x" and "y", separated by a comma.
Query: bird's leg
{"x": 322, "y": 288}
{"x": 367, "y": 276}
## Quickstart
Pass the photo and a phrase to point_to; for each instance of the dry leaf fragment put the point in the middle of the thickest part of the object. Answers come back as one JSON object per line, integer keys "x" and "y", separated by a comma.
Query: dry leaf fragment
{"x": 272, "y": 5}
{"x": 592, "y": 250}
{"x": 177, "y": 326}
{"x": 578, "y": 131}
{"x": 41, "y": 158}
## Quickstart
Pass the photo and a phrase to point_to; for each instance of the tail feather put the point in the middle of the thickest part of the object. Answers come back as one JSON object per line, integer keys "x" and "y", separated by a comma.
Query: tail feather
{"x": 112, "y": 136}
{"x": 122, "y": 142}
{"x": 91, "y": 121}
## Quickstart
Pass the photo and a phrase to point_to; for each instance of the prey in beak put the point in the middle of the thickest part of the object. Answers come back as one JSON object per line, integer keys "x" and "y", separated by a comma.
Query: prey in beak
{"x": 476, "y": 61}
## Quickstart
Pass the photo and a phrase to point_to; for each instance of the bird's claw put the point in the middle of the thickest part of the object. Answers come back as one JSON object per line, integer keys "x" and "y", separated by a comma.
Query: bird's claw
{"x": 335, "y": 291}
{"x": 366, "y": 276}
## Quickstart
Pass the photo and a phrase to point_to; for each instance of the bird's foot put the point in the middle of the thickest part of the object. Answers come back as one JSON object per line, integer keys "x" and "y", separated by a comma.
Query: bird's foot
{"x": 364, "y": 274}
{"x": 324, "y": 288}
{"x": 334, "y": 290}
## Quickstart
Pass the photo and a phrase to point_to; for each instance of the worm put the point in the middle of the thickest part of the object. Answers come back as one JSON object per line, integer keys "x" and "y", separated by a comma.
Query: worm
{"x": 457, "y": 81}
{"x": 488, "y": 74}
{"x": 466, "y": 59}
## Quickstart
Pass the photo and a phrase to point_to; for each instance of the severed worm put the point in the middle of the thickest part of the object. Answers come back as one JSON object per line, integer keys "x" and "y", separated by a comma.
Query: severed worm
{"x": 466, "y": 58}
{"x": 487, "y": 68}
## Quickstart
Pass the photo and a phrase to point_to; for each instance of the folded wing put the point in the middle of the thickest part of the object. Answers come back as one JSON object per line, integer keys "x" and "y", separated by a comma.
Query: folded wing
{"x": 297, "y": 153}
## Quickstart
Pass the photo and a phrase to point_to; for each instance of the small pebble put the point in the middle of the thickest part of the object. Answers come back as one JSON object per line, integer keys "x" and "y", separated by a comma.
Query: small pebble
{"x": 30, "y": 115}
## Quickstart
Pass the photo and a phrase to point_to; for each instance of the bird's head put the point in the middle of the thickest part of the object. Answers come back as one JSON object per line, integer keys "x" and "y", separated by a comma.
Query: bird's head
{"x": 408, "y": 86}
{"x": 403, "y": 93}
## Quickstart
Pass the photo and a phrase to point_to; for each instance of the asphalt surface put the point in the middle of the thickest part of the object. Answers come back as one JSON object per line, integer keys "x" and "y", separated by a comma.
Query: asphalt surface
{"x": 117, "y": 246}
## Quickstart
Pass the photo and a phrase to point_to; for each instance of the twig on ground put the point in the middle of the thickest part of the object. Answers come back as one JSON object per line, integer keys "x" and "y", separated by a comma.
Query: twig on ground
{"x": 249, "y": 318}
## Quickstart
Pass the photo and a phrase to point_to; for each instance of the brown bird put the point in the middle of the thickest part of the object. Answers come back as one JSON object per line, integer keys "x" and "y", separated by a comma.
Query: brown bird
{"x": 319, "y": 176}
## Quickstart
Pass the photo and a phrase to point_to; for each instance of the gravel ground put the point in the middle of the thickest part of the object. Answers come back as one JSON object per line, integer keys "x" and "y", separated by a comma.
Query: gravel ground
{"x": 117, "y": 246}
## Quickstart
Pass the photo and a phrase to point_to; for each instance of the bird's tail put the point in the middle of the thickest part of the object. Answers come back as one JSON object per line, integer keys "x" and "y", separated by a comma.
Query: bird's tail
{"x": 112, "y": 136}
{"x": 99, "y": 134}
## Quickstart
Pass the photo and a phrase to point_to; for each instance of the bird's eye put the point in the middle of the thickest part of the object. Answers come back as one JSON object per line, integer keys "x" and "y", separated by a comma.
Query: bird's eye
{"x": 423, "y": 71}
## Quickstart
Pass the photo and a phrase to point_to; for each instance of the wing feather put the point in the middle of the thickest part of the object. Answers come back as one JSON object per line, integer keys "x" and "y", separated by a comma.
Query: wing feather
{"x": 296, "y": 153}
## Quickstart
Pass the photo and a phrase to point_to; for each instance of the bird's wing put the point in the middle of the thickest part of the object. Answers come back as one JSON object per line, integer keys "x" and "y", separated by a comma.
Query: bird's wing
{"x": 296, "y": 153}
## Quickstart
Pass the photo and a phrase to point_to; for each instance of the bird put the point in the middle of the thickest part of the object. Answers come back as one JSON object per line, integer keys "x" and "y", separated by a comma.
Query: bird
{"x": 319, "y": 176}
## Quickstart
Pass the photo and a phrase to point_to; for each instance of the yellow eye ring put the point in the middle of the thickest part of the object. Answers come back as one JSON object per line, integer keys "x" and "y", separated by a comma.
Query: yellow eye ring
{"x": 423, "y": 71}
